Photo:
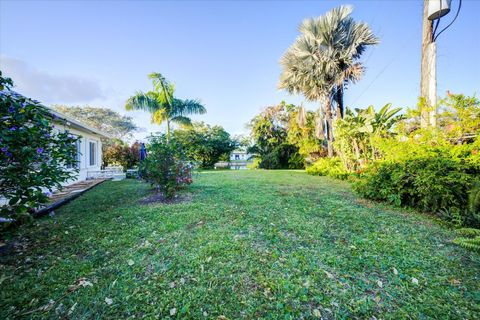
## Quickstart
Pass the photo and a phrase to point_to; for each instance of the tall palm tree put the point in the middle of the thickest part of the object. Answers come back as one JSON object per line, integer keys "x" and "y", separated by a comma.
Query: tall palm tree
{"x": 163, "y": 106}
{"x": 324, "y": 59}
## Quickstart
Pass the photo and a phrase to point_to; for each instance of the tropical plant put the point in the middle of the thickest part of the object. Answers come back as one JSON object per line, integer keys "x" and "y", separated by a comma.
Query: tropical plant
{"x": 162, "y": 104}
{"x": 166, "y": 167}
{"x": 205, "y": 144}
{"x": 302, "y": 132}
{"x": 358, "y": 132}
{"x": 34, "y": 156}
{"x": 324, "y": 59}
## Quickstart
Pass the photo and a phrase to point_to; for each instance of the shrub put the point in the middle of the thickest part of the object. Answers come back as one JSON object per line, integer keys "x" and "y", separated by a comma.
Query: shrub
{"x": 33, "y": 156}
{"x": 119, "y": 153}
{"x": 332, "y": 167}
{"x": 437, "y": 184}
{"x": 165, "y": 166}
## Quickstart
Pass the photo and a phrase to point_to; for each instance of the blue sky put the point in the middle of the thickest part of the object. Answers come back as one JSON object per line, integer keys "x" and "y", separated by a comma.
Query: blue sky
{"x": 225, "y": 53}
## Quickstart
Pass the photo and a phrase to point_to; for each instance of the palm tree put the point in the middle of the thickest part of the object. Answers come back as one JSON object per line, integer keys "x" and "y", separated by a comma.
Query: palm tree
{"x": 324, "y": 59}
{"x": 163, "y": 106}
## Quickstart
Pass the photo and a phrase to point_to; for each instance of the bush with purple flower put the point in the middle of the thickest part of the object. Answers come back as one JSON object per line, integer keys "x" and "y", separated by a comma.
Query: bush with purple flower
{"x": 33, "y": 157}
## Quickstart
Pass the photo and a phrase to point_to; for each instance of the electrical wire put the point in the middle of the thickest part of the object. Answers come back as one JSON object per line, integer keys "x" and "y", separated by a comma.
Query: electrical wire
{"x": 456, "y": 16}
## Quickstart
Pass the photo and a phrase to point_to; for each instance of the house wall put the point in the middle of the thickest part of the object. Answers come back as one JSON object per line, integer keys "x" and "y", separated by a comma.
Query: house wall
{"x": 241, "y": 156}
{"x": 84, "y": 157}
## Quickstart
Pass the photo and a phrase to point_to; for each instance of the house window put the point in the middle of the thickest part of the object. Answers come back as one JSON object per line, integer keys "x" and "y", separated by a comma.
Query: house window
{"x": 78, "y": 154}
{"x": 237, "y": 157}
{"x": 93, "y": 153}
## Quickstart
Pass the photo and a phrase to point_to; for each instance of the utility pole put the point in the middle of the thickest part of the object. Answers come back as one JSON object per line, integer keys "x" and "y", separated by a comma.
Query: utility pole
{"x": 428, "y": 81}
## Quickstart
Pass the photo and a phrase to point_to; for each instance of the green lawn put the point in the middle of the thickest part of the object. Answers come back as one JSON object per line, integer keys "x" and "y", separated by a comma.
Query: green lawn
{"x": 250, "y": 244}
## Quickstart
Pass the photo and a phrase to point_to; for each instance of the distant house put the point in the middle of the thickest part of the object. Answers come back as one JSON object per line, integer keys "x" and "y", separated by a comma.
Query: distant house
{"x": 240, "y": 155}
{"x": 89, "y": 146}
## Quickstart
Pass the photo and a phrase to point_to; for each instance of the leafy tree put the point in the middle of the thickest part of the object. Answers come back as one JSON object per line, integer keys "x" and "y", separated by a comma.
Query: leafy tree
{"x": 162, "y": 104}
{"x": 205, "y": 144}
{"x": 459, "y": 117}
{"x": 33, "y": 155}
{"x": 269, "y": 132}
{"x": 324, "y": 59}
{"x": 103, "y": 119}
{"x": 120, "y": 153}
{"x": 302, "y": 132}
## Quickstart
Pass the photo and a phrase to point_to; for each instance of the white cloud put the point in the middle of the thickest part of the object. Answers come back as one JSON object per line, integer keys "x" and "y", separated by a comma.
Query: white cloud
{"x": 46, "y": 87}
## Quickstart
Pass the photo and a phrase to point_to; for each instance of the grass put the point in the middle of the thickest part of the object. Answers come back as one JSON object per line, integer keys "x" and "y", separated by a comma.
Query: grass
{"x": 250, "y": 244}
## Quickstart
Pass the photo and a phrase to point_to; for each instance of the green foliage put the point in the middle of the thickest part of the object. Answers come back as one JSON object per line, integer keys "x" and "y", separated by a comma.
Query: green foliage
{"x": 165, "y": 167}
{"x": 103, "y": 119}
{"x": 332, "y": 167}
{"x": 269, "y": 131}
{"x": 33, "y": 155}
{"x": 205, "y": 144}
{"x": 118, "y": 153}
{"x": 470, "y": 239}
{"x": 302, "y": 133}
{"x": 459, "y": 117}
{"x": 357, "y": 133}
{"x": 437, "y": 184}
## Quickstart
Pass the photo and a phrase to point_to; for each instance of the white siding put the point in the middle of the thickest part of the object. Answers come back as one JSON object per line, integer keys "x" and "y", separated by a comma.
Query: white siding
{"x": 84, "y": 165}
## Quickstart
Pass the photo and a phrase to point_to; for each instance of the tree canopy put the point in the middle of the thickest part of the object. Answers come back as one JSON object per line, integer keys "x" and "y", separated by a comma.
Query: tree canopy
{"x": 104, "y": 119}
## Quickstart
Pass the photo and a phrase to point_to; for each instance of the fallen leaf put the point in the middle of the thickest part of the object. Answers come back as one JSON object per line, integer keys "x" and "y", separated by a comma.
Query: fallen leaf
{"x": 414, "y": 280}
{"x": 209, "y": 259}
{"x": 131, "y": 262}
{"x": 70, "y": 311}
{"x": 172, "y": 284}
{"x": 395, "y": 271}
{"x": 108, "y": 301}
{"x": 173, "y": 311}
{"x": 329, "y": 275}
{"x": 316, "y": 313}
{"x": 379, "y": 283}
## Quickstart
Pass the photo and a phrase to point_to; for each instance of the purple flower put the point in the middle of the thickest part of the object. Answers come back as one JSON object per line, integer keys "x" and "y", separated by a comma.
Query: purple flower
{"x": 39, "y": 150}
{"x": 47, "y": 193}
{"x": 4, "y": 149}
{"x": 11, "y": 109}
{"x": 13, "y": 128}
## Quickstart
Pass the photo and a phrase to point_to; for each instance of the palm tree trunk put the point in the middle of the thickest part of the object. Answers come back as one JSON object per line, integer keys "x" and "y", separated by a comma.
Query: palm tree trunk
{"x": 339, "y": 100}
{"x": 328, "y": 115}
{"x": 168, "y": 130}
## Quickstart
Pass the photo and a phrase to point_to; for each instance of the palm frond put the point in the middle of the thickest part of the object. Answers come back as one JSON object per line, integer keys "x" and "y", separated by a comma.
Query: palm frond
{"x": 142, "y": 101}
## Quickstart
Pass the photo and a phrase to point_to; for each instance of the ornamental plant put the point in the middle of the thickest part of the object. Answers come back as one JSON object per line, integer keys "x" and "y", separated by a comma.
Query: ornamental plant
{"x": 165, "y": 166}
{"x": 33, "y": 156}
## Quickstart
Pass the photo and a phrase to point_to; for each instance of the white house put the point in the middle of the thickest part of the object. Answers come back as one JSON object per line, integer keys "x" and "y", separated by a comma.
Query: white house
{"x": 89, "y": 146}
{"x": 240, "y": 155}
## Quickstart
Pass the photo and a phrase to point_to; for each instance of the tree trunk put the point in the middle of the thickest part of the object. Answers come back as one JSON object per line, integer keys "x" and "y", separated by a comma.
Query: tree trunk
{"x": 168, "y": 130}
{"x": 328, "y": 116}
{"x": 339, "y": 100}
